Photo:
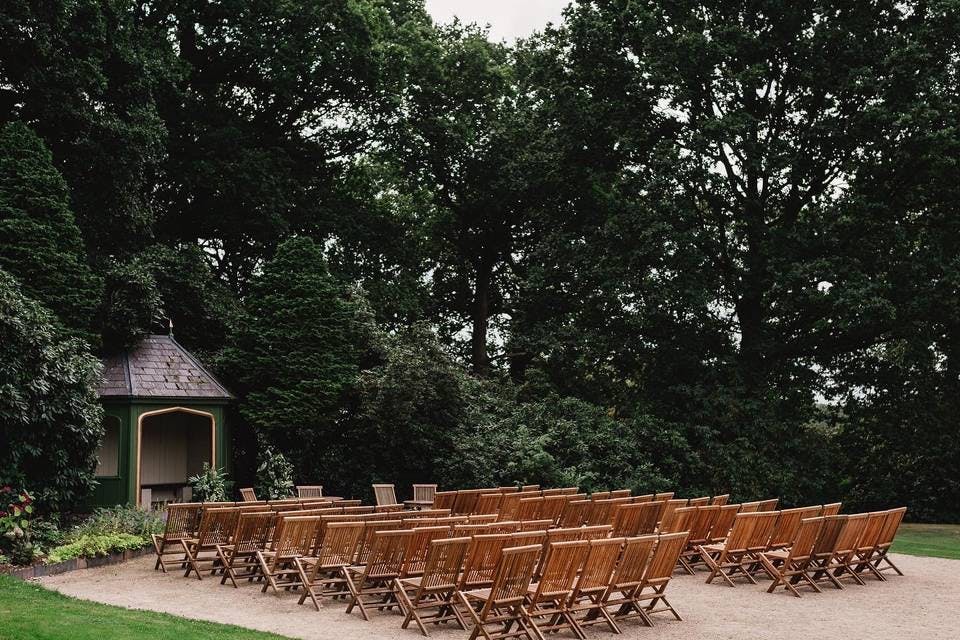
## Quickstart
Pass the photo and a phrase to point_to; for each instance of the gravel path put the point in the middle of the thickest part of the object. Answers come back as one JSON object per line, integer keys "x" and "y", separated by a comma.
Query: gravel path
{"x": 922, "y": 604}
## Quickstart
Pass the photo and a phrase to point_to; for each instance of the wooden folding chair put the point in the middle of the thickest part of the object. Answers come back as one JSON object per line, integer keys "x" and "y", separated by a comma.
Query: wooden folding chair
{"x": 182, "y": 520}
{"x": 293, "y": 538}
{"x": 595, "y": 578}
{"x": 216, "y": 527}
{"x": 574, "y": 513}
{"x": 239, "y": 557}
{"x": 723, "y": 523}
{"x": 415, "y": 556}
{"x": 481, "y": 560}
{"x": 489, "y": 503}
{"x": 627, "y": 577}
{"x": 423, "y": 495}
{"x": 373, "y": 583}
{"x": 872, "y": 542}
{"x": 444, "y": 499}
{"x": 626, "y": 519}
{"x": 721, "y": 499}
{"x": 890, "y": 528}
{"x": 552, "y": 507}
{"x": 499, "y": 609}
{"x": 370, "y": 530}
{"x": 466, "y": 501}
{"x": 824, "y": 548}
{"x": 667, "y": 507}
{"x": 549, "y": 596}
{"x": 643, "y": 603}
{"x": 322, "y": 573}
{"x": 785, "y": 528}
{"x": 510, "y": 506}
{"x": 529, "y": 509}
{"x": 677, "y": 521}
{"x": 787, "y": 566}
{"x": 869, "y": 540}
{"x": 309, "y": 490}
{"x": 436, "y": 588}
{"x": 385, "y": 495}
{"x": 747, "y": 539}
{"x": 248, "y": 494}
{"x": 700, "y": 526}
{"x": 831, "y": 509}
{"x": 844, "y": 552}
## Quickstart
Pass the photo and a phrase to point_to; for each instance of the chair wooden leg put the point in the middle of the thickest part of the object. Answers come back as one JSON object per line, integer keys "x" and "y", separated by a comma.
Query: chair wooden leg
{"x": 191, "y": 560}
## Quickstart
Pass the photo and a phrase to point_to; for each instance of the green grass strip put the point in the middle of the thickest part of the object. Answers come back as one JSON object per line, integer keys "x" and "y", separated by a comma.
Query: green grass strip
{"x": 30, "y": 612}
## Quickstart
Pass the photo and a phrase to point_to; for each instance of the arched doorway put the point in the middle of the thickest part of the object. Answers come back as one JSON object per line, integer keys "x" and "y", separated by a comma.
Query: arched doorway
{"x": 172, "y": 445}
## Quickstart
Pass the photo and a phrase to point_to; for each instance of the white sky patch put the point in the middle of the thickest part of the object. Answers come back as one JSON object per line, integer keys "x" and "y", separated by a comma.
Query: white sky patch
{"x": 508, "y": 19}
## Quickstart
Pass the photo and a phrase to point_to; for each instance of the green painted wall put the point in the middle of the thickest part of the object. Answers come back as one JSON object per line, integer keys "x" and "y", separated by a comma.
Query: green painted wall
{"x": 122, "y": 488}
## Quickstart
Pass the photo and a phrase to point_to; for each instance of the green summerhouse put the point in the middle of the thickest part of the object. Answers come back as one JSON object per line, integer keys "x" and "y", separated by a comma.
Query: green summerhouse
{"x": 165, "y": 415}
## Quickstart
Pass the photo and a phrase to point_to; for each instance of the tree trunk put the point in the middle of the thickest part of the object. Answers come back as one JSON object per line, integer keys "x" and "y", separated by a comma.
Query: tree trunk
{"x": 481, "y": 316}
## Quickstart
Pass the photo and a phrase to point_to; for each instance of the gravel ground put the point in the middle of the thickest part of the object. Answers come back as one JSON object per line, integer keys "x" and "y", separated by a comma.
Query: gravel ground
{"x": 922, "y": 604}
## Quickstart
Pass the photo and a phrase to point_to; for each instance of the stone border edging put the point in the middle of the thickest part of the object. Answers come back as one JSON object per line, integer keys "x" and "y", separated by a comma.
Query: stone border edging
{"x": 40, "y": 570}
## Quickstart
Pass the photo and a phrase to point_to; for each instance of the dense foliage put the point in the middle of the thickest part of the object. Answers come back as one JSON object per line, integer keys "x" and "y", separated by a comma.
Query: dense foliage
{"x": 50, "y": 418}
{"x": 703, "y": 245}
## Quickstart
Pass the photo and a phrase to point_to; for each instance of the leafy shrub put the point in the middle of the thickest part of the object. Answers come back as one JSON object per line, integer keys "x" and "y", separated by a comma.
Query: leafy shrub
{"x": 91, "y": 545}
{"x": 120, "y": 519}
{"x": 50, "y": 416}
{"x": 210, "y": 485}
{"x": 274, "y": 475}
{"x": 15, "y": 526}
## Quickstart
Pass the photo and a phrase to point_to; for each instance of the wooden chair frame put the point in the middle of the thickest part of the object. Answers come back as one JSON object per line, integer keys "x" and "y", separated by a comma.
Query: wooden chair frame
{"x": 293, "y": 538}
{"x": 436, "y": 588}
{"x": 182, "y": 521}
{"x": 787, "y": 566}
{"x": 322, "y": 573}
{"x": 748, "y": 538}
{"x": 374, "y": 582}
{"x": 239, "y": 558}
{"x": 216, "y": 527}
{"x": 499, "y": 611}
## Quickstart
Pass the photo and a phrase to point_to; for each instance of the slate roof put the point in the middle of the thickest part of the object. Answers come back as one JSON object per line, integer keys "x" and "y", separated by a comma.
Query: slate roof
{"x": 158, "y": 367}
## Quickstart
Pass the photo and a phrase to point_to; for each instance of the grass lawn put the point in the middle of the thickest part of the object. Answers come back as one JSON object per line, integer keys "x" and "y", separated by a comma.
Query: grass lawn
{"x": 30, "y": 612}
{"x": 937, "y": 540}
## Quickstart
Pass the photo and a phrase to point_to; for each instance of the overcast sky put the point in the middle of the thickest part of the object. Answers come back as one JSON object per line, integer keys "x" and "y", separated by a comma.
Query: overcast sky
{"x": 508, "y": 19}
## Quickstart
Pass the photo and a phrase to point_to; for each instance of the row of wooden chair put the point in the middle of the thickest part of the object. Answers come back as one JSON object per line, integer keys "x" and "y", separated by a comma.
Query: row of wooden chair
{"x": 796, "y": 550}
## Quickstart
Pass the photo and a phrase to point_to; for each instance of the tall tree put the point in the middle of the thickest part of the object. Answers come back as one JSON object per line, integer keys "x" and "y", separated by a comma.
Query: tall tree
{"x": 296, "y": 355}
{"x": 275, "y": 99}
{"x": 84, "y": 75}
{"x": 466, "y": 142}
{"x": 42, "y": 245}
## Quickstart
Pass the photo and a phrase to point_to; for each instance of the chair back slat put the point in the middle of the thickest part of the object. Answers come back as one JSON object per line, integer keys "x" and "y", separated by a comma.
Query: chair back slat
{"x": 563, "y": 562}
{"x": 252, "y": 531}
{"x": 721, "y": 499}
{"x": 385, "y": 559}
{"x": 419, "y": 544}
{"x": 665, "y": 557}
{"x": 385, "y": 494}
{"x": 677, "y": 521}
{"x": 599, "y": 565}
{"x": 768, "y": 505}
{"x": 481, "y": 559}
{"x": 806, "y": 537}
{"x": 442, "y": 565}
{"x": 633, "y": 562}
{"x": 890, "y": 526}
{"x": 217, "y": 525}
{"x": 339, "y": 543}
{"x": 309, "y": 491}
{"x": 248, "y": 494}
{"x": 182, "y": 520}
{"x": 511, "y": 579}
{"x": 444, "y": 499}
{"x": 424, "y": 492}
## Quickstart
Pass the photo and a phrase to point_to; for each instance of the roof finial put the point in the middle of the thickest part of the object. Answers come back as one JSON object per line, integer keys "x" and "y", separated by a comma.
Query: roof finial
{"x": 170, "y": 327}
